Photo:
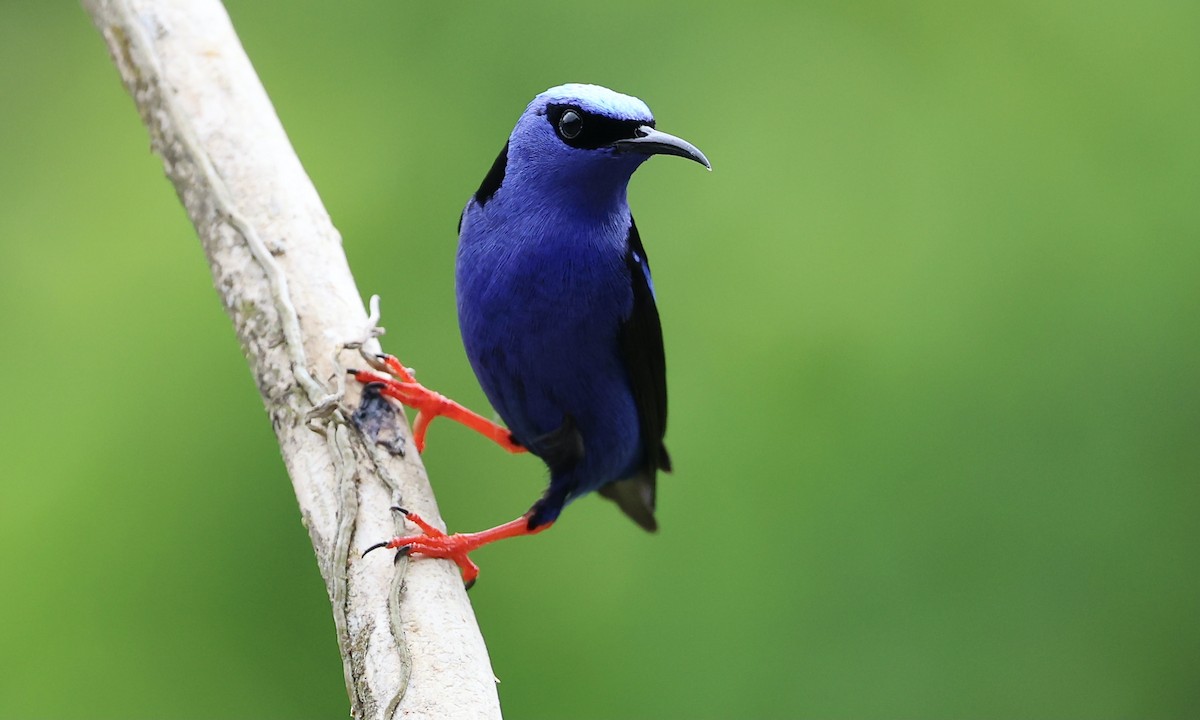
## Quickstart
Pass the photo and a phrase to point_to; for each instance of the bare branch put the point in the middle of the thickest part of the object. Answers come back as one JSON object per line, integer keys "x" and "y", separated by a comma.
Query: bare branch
{"x": 408, "y": 636}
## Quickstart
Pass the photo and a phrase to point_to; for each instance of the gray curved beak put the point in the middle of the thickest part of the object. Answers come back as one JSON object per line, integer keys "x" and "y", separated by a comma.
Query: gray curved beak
{"x": 654, "y": 142}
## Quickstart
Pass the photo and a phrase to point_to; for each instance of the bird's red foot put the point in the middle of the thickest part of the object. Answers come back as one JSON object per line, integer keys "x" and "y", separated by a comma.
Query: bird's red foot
{"x": 399, "y": 384}
{"x": 435, "y": 543}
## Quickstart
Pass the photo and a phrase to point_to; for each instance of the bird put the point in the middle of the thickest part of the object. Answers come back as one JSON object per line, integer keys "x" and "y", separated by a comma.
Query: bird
{"x": 558, "y": 316}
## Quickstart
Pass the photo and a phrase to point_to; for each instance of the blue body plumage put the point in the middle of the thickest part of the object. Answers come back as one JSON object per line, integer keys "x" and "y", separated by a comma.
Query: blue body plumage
{"x": 557, "y": 309}
{"x": 555, "y": 302}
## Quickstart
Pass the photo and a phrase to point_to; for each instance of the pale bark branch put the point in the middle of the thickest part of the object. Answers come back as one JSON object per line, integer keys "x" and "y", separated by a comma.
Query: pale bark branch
{"x": 410, "y": 645}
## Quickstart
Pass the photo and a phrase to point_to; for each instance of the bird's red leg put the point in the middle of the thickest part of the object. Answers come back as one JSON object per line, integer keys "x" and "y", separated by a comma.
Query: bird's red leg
{"x": 435, "y": 543}
{"x": 400, "y": 384}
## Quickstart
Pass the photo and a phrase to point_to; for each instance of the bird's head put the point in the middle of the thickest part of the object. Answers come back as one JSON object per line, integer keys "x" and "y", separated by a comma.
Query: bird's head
{"x": 588, "y": 137}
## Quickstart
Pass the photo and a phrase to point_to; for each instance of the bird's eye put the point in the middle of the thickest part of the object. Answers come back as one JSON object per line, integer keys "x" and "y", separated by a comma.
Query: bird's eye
{"x": 570, "y": 125}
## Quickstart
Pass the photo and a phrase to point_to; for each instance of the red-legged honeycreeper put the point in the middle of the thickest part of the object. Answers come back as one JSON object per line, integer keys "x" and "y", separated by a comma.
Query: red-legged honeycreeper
{"x": 557, "y": 313}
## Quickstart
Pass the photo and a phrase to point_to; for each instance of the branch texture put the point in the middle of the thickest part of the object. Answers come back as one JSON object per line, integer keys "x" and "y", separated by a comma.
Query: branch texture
{"x": 410, "y": 645}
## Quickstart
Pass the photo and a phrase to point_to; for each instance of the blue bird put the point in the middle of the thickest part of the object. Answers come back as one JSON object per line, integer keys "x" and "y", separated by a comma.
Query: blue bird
{"x": 557, "y": 312}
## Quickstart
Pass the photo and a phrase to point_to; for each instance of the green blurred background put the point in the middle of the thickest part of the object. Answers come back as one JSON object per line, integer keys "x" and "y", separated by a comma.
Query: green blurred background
{"x": 932, "y": 330}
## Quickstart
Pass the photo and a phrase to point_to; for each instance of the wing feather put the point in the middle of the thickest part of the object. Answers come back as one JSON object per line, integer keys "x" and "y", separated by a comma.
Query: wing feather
{"x": 645, "y": 362}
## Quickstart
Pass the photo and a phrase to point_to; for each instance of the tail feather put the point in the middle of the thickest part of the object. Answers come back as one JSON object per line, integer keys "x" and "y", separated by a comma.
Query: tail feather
{"x": 635, "y": 496}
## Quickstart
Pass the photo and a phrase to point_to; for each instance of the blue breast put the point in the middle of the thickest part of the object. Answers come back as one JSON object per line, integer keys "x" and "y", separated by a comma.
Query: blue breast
{"x": 540, "y": 303}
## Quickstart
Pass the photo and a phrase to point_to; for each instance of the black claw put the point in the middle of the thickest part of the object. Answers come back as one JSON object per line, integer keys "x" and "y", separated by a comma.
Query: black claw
{"x": 376, "y": 546}
{"x": 352, "y": 371}
{"x": 402, "y": 511}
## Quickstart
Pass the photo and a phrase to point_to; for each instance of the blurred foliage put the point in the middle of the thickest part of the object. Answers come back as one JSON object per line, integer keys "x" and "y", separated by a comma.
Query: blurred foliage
{"x": 931, "y": 326}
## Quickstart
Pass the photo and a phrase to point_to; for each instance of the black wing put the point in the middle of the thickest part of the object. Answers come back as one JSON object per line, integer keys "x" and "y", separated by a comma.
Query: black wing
{"x": 642, "y": 350}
